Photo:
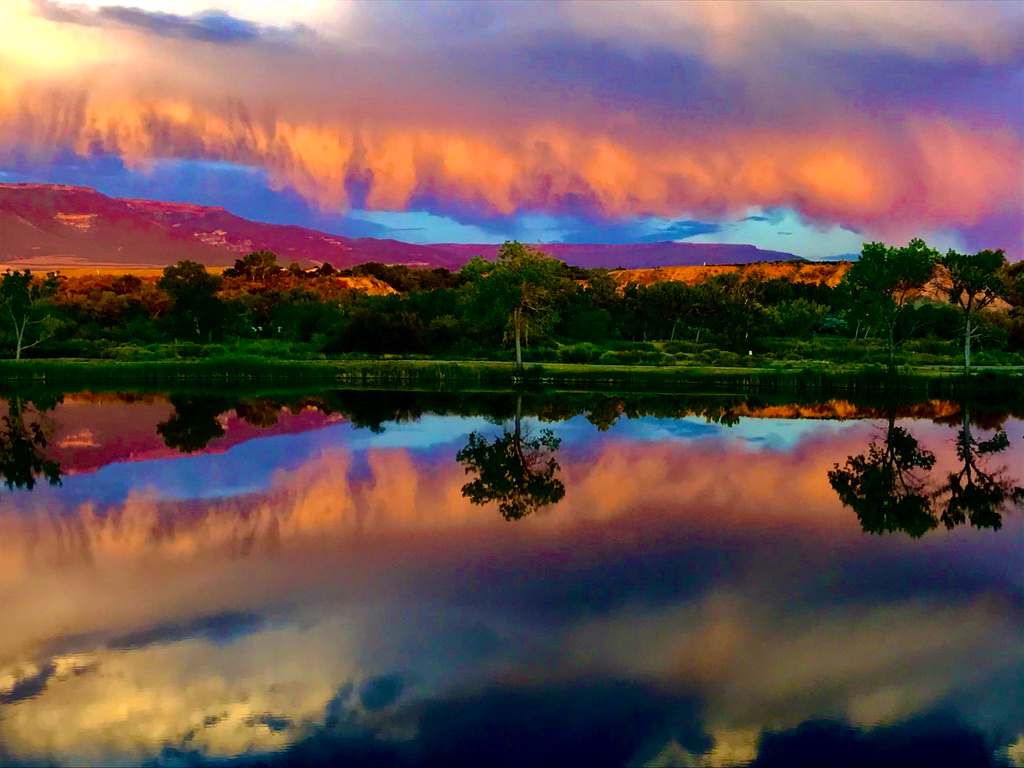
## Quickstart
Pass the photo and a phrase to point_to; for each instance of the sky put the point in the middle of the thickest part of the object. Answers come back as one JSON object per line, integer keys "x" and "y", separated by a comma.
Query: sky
{"x": 803, "y": 126}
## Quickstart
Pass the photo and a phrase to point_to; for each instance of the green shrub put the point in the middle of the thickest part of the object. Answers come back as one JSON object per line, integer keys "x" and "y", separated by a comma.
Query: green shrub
{"x": 580, "y": 353}
{"x": 634, "y": 357}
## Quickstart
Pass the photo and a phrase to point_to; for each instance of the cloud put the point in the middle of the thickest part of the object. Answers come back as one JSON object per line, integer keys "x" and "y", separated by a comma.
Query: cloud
{"x": 380, "y": 692}
{"x": 893, "y": 182}
{"x": 205, "y": 26}
{"x": 734, "y": 32}
{"x": 695, "y": 111}
{"x": 30, "y": 686}
{"x": 218, "y": 628}
{"x": 938, "y": 739}
{"x": 641, "y": 230}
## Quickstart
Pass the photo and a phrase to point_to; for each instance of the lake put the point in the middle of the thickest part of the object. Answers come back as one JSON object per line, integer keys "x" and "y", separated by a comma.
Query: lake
{"x": 414, "y": 578}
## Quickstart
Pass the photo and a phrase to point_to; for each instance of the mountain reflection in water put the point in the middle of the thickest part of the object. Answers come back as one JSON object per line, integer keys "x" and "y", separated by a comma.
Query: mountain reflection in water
{"x": 425, "y": 578}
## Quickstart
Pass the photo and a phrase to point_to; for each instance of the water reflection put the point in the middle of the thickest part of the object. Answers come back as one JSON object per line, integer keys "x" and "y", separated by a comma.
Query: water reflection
{"x": 885, "y": 486}
{"x": 975, "y": 492}
{"x": 194, "y": 423}
{"x": 891, "y": 489}
{"x": 23, "y": 440}
{"x": 516, "y": 471}
{"x": 314, "y": 586}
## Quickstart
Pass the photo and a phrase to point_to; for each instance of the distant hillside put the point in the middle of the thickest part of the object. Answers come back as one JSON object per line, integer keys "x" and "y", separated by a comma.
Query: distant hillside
{"x": 55, "y": 226}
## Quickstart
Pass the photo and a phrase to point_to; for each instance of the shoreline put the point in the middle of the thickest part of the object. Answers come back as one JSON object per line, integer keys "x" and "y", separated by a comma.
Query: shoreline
{"x": 454, "y": 374}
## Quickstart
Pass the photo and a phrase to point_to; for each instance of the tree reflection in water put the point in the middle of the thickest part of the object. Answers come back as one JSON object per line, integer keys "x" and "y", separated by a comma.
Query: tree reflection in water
{"x": 890, "y": 487}
{"x": 22, "y": 442}
{"x": 885, "y": 486}
{"x": 975, "y": 493}
{"x": 194, "y": 423}
{"x": 516, "y": 471}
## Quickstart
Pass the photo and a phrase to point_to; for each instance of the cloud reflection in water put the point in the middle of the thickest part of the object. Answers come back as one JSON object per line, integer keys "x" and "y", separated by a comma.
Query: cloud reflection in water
{"x": 699, "y": 598}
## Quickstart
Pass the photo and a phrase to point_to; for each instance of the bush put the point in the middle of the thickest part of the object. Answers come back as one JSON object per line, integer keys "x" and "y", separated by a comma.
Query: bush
{"x": 675, "y": 347}
{"x": 634, "y": 357}
{"x": 580, "y": 353}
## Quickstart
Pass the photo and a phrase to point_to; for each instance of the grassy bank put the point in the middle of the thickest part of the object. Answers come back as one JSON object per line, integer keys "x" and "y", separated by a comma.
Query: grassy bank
{"x": 445, "y": 374}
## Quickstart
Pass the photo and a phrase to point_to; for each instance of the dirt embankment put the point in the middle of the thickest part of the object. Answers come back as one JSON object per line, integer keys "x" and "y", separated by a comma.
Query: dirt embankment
{"x": 94, "y": 289}
{"x": 829, "y": 273}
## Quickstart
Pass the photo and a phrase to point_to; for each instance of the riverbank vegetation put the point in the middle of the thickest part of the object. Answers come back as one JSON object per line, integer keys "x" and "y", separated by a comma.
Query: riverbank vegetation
{"x": 531, "y": 309}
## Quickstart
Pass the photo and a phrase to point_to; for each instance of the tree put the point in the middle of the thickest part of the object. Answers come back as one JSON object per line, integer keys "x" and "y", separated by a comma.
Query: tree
{"x": 193, "y": 292}
{"x": 524, "y": 282}
{"x": 516, "y": 471}
{"x": 22, "y": 441}
{"x": 884, "y": 280}
{"x": 24, "y": 298}
{"x": 256, "y": 266}
{"x": 883, "y": 486}
{"x": 974, "y": 282}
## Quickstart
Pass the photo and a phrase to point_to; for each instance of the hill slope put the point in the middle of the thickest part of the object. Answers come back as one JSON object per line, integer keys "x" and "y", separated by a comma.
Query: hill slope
{"x": 53, "y": 226}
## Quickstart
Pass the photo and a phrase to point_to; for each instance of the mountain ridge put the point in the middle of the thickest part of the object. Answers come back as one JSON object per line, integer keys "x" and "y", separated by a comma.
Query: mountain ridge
{"x": 58, "y": 225}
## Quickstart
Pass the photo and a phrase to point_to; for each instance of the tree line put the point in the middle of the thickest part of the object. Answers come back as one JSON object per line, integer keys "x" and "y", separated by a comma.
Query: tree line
{"x": 525, "y": 306}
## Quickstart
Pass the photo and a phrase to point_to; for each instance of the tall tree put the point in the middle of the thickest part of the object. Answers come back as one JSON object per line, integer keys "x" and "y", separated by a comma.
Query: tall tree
{"x": 885, "y": 279}
{"x": 24, "y": 300}
{"x": 516, "y": 471}
{"x": 524, "y": 283}
{"x": 193, "y": 292}
{"x": 975, "y": 280}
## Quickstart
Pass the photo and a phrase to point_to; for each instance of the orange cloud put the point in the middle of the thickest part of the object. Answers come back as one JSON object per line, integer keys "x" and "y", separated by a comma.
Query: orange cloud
{"x": 850, "y": 171}
{"x": 364, "y": 99}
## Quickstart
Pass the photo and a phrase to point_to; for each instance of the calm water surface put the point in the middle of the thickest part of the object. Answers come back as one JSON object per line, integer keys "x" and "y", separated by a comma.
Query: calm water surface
{"x": 373, "y": 578}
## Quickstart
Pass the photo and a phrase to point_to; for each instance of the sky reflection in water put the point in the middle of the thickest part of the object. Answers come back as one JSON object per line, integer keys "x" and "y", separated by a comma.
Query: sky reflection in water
{"x": 322, "y": 589}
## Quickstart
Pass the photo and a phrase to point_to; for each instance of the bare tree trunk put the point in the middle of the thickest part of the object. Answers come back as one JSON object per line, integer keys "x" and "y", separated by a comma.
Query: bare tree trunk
{"x": 967, "y": 345}
{"x": 517, "y": 322}
{"x": 20, "y": 337}
{"x": 892, "y": 345}
{"x": 967, "y": 339}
